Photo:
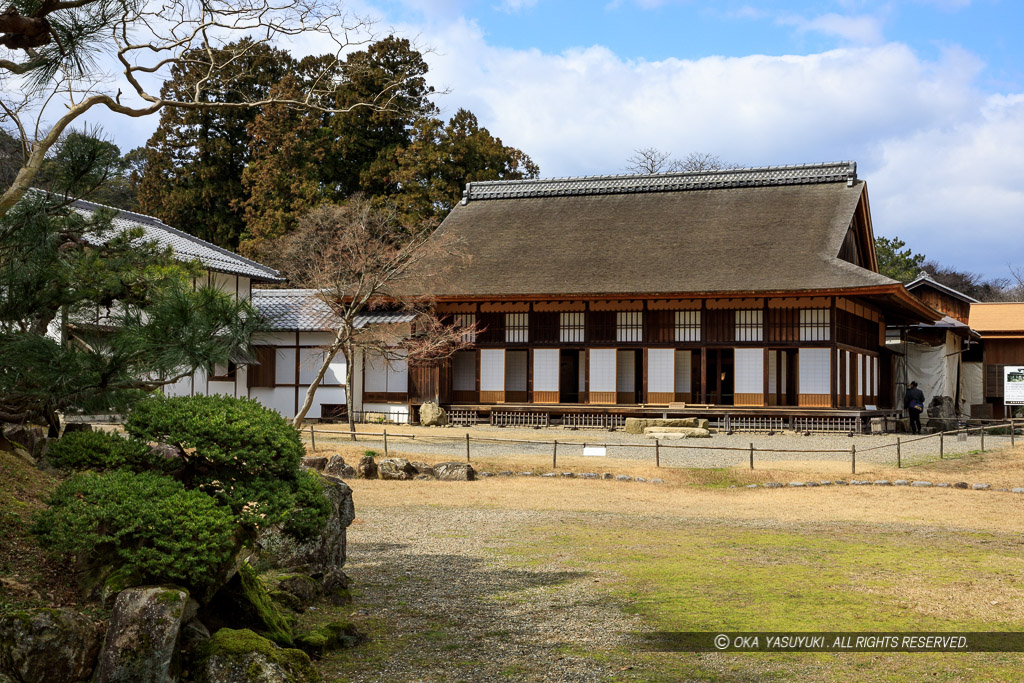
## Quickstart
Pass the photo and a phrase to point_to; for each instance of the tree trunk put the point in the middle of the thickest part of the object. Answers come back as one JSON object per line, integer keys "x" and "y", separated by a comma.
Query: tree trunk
{"x": 307, "y": 402}
{"x": 349, "y": 375}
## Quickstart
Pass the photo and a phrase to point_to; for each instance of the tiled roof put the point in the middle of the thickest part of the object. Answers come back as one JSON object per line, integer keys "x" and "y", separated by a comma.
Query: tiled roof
{"x": 925, "y": 279}
{"x": 765, "y": 176}
{"x": 302, "y": 310}
{"x": 185, "y": 246}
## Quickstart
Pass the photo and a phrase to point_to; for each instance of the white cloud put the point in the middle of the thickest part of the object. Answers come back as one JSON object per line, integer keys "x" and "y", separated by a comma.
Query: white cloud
{"x": 861, "y": 30}
{"x": 512, "y": 6}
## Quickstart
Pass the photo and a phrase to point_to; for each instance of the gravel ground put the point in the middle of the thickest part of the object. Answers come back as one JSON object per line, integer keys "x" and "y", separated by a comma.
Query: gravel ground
{"x": 450, "y": 442}
{"x": 442, "y": 605}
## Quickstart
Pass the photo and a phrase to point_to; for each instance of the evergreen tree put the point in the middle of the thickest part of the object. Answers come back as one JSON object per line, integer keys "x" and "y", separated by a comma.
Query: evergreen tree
{"x": 192, "y": 178}
{"x": 93, "y": 318}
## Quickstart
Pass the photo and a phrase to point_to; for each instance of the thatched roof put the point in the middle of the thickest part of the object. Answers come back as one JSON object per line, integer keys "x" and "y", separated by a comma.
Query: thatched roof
{"x": 753, "y": 230}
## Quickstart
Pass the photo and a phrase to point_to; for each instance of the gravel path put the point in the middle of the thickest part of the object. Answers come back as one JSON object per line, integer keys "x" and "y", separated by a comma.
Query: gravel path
{"x": 441, "y": 604}
{"x": 450, "y": 443}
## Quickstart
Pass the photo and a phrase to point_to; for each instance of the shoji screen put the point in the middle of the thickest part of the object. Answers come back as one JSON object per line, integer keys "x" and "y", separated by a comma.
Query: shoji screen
{"x": 748, "y": 388}
{"x": 684, "y": 378}
{"x": 602, "y": 376}
{"x": 661, "y": 375}
{"x": 815, "y": 384}
{"x": 492, "y": 375}
{"x": 545, "y": 375}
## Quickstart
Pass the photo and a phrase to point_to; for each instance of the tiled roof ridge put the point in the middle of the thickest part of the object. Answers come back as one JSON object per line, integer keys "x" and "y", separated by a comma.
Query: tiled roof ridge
{"x": 763, "y": 176}
{"x": 157, "y": 223}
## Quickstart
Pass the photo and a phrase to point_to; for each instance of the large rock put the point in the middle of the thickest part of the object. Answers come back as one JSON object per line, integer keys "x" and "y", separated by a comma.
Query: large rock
{"x": 396, "y": 469}
{"x": 943, "y": 407}
{"x": 636, "y": 425}
{"x": 423, "y": 468}
{"x": 367, "y": 467}
{"x": 142, "y": 638}
{"x": 241, "y": 656}
{"x": 314, "y": 462}
{"x": 53, "y": 645}
{"x": 32, "y": 439}
{"x": 337, "y": 467}
{"x": 321, "y": 554}
{"x": 454, "y": 471}
{"x": 432, "y": 415}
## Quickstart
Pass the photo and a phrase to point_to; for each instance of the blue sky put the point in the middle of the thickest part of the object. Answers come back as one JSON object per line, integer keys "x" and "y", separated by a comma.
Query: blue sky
{"x": 926, "y": 95}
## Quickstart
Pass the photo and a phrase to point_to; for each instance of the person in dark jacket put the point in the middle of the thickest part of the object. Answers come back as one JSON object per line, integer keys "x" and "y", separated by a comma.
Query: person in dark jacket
{"x": 914, "y": 403}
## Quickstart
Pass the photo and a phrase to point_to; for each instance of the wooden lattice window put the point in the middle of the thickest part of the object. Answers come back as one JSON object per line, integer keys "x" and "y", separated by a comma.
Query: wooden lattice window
{"x": 815, "y": 324}
{"x": 571, "y": 327}
{"x": 687, "y": 326}
{"x": 629, "y": 326}
{"x": 517, "y": 327}
{"x": 749, "y": 325}
{"x": 466, "y": 320}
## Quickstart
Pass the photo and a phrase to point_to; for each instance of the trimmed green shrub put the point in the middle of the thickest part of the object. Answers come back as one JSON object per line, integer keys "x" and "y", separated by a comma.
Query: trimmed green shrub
{"x": 242, "y": 454}
{"x": 146, "y": 523}
{"x": 102, "y": 451}
{"x": 311, "y": 508}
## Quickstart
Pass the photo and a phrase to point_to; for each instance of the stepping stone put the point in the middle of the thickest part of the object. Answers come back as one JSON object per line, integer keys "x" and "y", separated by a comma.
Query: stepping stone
{"x": 750, "y": 486}
{"x": 506, "y": 473}
{"x": 960, "y": 485}
{"x": 640, "y": 479}
{"x": 901, "y": 482}
{"x": 607, "y": 475}
{"x": 942, "y": 486}
{"x": 825, "y": 482}
{"x": 981, "y": 487}
{"x": 860, "y": 482}
{"x": 812, "y": 483}
{"x": 773, "y": 485}
{"x": 623, "y": 477}
{"x": 526, "y": 474}
{"x": 1017, "y": 490}
{"x": 550, "y": 474}
{"x": 657, "y": 481}
{"x": 921, "y": 483}
{"x": 841, "y": 482}
{"x": 570, "y": 475}
{"x": 485, "y": 474}
{"x": 883, "y": 482}
{"x": 796, "y": 484}
{"x": 589, "y": 475}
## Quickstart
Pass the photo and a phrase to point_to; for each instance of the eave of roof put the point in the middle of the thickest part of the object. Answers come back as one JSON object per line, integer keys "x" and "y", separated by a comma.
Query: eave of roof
{"x": 302, "y": 310}
{"x": 210, "y": 255}
{"x": 925, "y": 279}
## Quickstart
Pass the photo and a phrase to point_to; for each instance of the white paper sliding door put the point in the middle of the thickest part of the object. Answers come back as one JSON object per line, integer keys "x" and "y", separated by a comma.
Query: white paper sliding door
{"x": 602, "y": 376}
{"x": 492, "y": 375}
{"x": 661, "y": 375}
{"x": 545, "y": 375}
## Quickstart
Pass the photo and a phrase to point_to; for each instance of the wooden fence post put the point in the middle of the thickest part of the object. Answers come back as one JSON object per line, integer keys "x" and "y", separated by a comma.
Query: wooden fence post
{"x": 467, "y": 446}
{"x": 554, "y": 455}
{"x": 899, "y": 456}
{"x": 1013, "y": 434}
{"x": 385, "y": 443}
{"x": 942, "y": 444}
{"x": 312, "y": 437}
{"x": 982, "y": 437}
{"x": 853, "y": 459}
{"x": 751, "y": 456}
{"x": 657, "y": 453}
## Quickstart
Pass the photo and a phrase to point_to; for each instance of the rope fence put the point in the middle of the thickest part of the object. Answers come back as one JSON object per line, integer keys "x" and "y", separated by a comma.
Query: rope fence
{"x": 962, "y": 434}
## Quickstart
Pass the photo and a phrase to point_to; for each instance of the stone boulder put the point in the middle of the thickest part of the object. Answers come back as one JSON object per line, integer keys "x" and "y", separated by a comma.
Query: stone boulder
{"x": 423, "y": 468}
{"x": 636, "y": 425}
{"x": 337, "y": 467}
{"x": 241, "y": 656}
{"x": 367, "y": 467}
{"x": 454, "y": 471}
{"x": 321, "y": 554}
{"x": 432, "y": 415}
{"x": 671, "y": 433}
{"x": 396, "y": 469}
{"x": 942, "y": 414}
{"x": 31, "y": 439}
{"x": 56, "y": 645}
{"x": 142, "y": 638}
{"x": 314, "y": 462}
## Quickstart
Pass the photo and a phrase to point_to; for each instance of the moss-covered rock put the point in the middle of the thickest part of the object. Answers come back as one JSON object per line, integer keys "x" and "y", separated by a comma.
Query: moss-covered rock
{"x": 333, "y": 636}
{"x": 142, "y": 639}
{"x": 55, "y": 645}
{"x": 242, "y": 656}
{"x": 247, "y": 602}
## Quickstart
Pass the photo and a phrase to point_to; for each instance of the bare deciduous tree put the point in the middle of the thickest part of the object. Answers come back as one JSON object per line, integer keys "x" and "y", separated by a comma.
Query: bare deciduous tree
{"x": 652, "y": 160}
{"x": 61, "y": 58}
{"x": 361, "y": 259}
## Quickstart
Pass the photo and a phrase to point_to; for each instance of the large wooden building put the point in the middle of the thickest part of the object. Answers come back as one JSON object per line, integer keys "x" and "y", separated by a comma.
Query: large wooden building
{"x": 754, "y": 290}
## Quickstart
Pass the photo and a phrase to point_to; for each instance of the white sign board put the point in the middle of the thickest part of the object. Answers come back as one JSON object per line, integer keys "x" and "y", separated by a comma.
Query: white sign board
{"x": 599, "y": 451}
{"x": 1013, "y": 385}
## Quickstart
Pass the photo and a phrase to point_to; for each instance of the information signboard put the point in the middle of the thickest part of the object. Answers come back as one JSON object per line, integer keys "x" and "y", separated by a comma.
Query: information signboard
{"x": 1013, "y": 385}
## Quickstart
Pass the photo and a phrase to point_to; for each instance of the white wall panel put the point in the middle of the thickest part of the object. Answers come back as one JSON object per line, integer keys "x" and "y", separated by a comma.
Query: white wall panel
{"x": 602, "y": 370}
{"x": 684, "y": 378}
{"x": 545, "y": 370}
{"x": 749, "y": 371}
{"x": 282, "y": 400}
{"x": 492, "y": 370}
{"x": 773, "y": 366}
{"x": 398, "y": 373}
{"x": 375, "y": 374}
{"x": 661, "y": 371}
{"x": 284, "y": 368}
{"x": 334, "y": 395}
{"x": 814, "y": 371}
{"x": 625, "y": 371}
{"x": 310, "y": 361}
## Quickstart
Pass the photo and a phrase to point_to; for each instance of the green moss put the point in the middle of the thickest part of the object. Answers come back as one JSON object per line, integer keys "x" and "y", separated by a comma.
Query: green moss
{"x": 333, "y": 636}
{"x": 231, "y": 643}
{"x": 287, "y": 600}
{"x": 276, "y": 625}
